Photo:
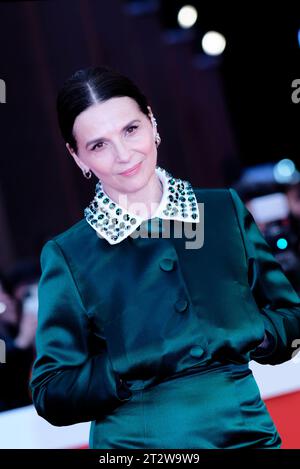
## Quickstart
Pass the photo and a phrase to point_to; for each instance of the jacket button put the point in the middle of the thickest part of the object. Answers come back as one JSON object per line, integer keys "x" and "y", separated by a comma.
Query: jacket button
{"x": 196, "y": 352}
{"x": 166, "y": 264}
{"x": 181, "y": 305}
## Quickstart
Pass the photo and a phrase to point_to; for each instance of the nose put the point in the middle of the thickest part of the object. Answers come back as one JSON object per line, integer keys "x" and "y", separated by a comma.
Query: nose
{"x": 122, "y": 151}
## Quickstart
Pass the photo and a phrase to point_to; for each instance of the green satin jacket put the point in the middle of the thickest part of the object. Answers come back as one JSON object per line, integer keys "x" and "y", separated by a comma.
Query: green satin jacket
{"x": 151, "y": 341}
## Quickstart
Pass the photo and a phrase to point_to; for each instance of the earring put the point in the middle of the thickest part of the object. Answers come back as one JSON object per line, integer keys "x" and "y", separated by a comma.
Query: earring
{"x": 154, "y": 123}
{"x": 87, "y": 174}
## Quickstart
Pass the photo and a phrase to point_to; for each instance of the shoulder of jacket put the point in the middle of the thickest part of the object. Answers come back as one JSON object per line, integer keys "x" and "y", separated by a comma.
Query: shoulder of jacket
{"x": 206, "y": 194}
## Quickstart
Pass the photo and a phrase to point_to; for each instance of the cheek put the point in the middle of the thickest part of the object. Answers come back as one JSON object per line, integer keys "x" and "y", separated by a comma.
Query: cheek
{"x": 101, "y": 163}
{"x": 146, "y": 144}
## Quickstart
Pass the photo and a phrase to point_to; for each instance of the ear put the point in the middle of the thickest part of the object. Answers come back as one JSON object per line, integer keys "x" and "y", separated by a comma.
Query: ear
{"x": 70, "y": 149}
{"x": 76, "y": 158}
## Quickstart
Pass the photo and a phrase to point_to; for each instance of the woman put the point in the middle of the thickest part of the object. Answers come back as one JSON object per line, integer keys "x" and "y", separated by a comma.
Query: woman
{"x": 143, "y": 334}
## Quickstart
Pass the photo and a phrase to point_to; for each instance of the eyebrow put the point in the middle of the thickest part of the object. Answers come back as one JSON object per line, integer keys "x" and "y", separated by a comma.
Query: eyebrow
{"x": 102, "y": 138}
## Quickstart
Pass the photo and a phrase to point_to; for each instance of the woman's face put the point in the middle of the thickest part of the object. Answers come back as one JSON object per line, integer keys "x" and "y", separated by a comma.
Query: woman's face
{"x": 112, "y": 137}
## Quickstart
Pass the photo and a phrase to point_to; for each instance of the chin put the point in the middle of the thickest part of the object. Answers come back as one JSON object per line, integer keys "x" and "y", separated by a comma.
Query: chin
{"x": 135, "y": 185}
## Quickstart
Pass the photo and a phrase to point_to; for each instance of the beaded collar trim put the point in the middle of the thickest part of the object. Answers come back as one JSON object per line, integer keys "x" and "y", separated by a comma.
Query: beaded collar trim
{"x": 115, "y": 223}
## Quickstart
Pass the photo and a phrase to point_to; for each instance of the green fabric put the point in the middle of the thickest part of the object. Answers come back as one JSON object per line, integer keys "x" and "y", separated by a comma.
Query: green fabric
{"x": 151, "y": 341}
{"x": 276, "y": 298}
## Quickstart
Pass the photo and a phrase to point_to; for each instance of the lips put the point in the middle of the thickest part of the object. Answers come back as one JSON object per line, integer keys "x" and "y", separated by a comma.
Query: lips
{"x": 130, "y": 170}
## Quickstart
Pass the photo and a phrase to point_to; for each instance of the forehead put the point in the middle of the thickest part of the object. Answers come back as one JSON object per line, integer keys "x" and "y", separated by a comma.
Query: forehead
{"x": 102, "y": 118}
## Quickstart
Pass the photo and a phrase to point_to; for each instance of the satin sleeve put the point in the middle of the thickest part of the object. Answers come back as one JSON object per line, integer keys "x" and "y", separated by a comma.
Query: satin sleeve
{"x": 70, "y": 382}
{"x": 275, "y": 297}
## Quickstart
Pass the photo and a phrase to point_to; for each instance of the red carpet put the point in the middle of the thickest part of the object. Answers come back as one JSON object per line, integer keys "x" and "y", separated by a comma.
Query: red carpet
{"x": 285, "y": 411}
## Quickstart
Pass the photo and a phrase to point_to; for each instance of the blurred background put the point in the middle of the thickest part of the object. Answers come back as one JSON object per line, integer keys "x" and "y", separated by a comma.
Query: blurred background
{"x": 223, "y": 82}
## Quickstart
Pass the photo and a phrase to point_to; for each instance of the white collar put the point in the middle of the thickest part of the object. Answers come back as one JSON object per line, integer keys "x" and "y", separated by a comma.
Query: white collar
{"x": 114, "y": 223}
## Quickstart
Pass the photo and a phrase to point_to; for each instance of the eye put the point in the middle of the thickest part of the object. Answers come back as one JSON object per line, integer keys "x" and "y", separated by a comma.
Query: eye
{"x": 132, "y": 127}
{"x": 97, "y": 146}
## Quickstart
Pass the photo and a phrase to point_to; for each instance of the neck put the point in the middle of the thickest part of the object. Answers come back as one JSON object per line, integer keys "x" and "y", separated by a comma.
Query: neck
{"x": 143, "y": 202}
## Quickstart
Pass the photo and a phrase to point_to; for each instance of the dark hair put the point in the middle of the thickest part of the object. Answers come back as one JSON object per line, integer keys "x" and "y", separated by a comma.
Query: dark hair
{"x": 88, "y": 86}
